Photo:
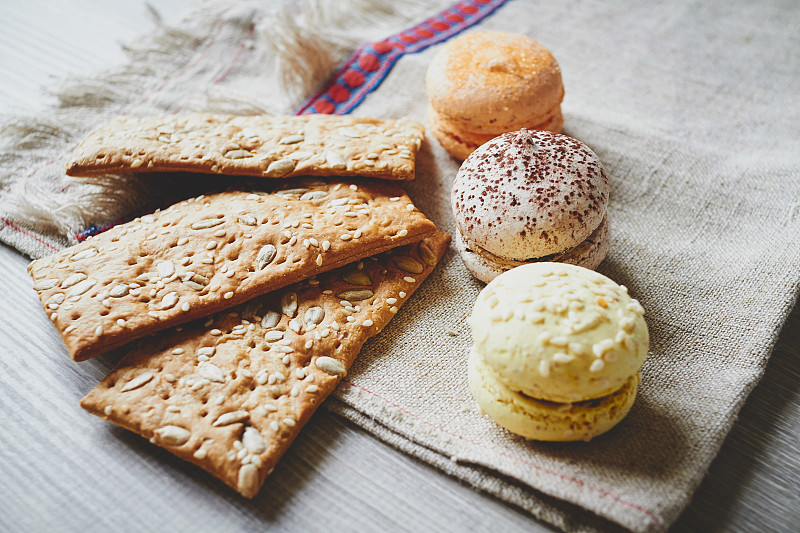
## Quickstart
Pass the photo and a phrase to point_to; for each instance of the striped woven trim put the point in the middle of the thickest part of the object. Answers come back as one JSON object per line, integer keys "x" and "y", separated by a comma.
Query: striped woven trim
{"x": 369, "y": 65}
{"x": 372, "y": 62}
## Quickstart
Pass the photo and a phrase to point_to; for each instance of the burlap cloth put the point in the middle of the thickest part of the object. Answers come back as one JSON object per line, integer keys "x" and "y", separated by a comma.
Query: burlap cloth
{"x": 692, "y": 108}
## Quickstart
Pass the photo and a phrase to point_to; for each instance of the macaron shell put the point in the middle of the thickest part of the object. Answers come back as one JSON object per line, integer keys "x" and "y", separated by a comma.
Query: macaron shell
{"x": 488, "y": 81}
{"x": 542, "y": 420}
{"x": 529, "y": 194}
{"x": 559, "y": 332}
{"x": 460, "y": 143}
{"x": 485, "y": 266}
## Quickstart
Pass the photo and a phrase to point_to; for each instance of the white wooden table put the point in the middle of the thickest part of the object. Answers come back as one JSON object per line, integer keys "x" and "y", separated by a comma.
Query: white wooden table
{"x": 55, "y": 474}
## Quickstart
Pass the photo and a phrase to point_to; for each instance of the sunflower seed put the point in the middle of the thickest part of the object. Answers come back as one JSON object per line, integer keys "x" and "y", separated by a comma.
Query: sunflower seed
{"x": 81, "y": 287}
{"x": 138, "y": 381}
{"x": 291, "y": 139}
{"x": 289, "y": 304}
{"x": 331, "y": 366}
{"x": 165, "y": 269}
{"x": 334, "y": 160}
{"x": 118, "y": 291}
{"x": 72, "y": 280}
{"x": 211, "y": 372}
{"x": 253, "y": 441}
{"x": 314, "y": 315}
{"x": 169, "y": 300}
{"x": 45, "y": 284}
{"x": 84, "y": 254}
{"x": 408, "y": 264}
{"x": 247, "y": 483}
{"x": 356, "y": 295}
{"x": 296, "y": 325}
{"x": 270, "y": 320}
{"x": 266, "y": 255}
{"x": 231, "y": 418}
{"x": 279, "y": 168}
{"x": 314, "y": 195}
{"x": 56, "y": 299}
{"x": 357, "y": 277}
{"x": 173, "y": 435}
{"x": 272, "y": 336}
{"x": 207, "y": 223}
{"x": 194, "y": 281}
{"x": 238, "y": 154}
{"x": 248, "y": 219}
{"x": 426, "y": 254}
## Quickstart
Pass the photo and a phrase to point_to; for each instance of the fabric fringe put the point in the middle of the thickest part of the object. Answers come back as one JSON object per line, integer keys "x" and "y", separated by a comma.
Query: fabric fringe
{"x": 305, "y": 43}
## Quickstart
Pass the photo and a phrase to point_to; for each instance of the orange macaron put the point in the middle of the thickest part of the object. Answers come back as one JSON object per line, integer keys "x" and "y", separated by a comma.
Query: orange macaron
{"x": 483, "y": 84}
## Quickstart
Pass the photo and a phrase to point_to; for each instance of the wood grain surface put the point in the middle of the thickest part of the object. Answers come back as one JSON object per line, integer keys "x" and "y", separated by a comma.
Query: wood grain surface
{"x": 64, "y": 470}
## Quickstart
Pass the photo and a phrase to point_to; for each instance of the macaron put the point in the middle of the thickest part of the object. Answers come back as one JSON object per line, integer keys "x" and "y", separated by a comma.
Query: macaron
{"x": 557, "y": 351}
{"x": 483, "y": 84}
{"x": 530, "y": 196}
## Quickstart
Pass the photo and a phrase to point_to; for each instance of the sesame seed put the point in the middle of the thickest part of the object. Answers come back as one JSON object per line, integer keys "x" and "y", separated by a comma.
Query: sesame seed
{"x": 121, "y": 322}
{"x": 177, "y": 351}
{"x": 353, "y": 188}
{"x": 98, "y": 331}
{"x": 367, "y": 323}
{"x": 345, "y": 236}
{"x": 319, "y": 260}
{"x": 326, "y": 245}
{"x": 391, "y": 301}
{"x": 394, "y": 198}
{"x": 402, "y": 233}
{"x": 274, "y": 426}
{"x": 544, "y": 368}
{"x": 410, "y": 207}
{"x": 289, "y": 422}
{"x": 312, "y": 388}
{"x": 107, "y": 410}
{"x": 559, "y": 341}
{"x": 215, "y": 332}
{"x": 562, "y": 357}
{"x": 228, "y": 295}
{"x": 393, "y": 309}
{"x": 357, "y": 234}
{"x": 597, "y": 365}
{"x": 401, "y": 294}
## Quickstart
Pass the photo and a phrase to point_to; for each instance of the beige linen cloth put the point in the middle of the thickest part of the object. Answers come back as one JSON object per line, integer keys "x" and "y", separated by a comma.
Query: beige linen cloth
{"x": 692, "y": 108}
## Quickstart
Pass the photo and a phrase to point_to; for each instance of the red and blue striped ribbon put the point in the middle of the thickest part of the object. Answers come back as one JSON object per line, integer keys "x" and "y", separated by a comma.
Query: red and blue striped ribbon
{"x": 372, "y": 62}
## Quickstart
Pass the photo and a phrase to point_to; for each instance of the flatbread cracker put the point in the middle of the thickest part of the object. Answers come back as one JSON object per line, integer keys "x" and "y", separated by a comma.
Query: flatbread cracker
{"x": 263, "y": 146}
{"x": 230, "y": 393}
{"x": 204, "y": 255}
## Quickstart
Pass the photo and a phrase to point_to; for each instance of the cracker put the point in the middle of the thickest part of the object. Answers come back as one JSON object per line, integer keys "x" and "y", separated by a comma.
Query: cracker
{"x": 264, "y": 146}
{"x": 230, "y": 393}
{"x": 210, "y": 253}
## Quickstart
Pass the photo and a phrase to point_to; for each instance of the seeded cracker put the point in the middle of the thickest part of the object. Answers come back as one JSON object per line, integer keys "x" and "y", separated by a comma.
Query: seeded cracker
{"x": 230, "y": 393}
{"x": 272, "y": 147}
{"x": 204, "y": 255}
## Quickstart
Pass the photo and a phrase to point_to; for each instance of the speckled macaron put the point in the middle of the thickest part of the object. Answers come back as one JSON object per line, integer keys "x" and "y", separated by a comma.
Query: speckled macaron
{"x": 557, "y": 351}
{"x": 530, "y": 196}
{"x": 486, "y": 83}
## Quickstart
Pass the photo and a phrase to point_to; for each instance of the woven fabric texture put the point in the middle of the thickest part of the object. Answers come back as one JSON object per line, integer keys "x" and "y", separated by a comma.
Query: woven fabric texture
{"x": 691, "y": 107}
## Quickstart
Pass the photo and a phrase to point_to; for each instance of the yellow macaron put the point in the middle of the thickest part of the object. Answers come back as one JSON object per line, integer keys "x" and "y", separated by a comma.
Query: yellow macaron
{"x": 556, "y": 338}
